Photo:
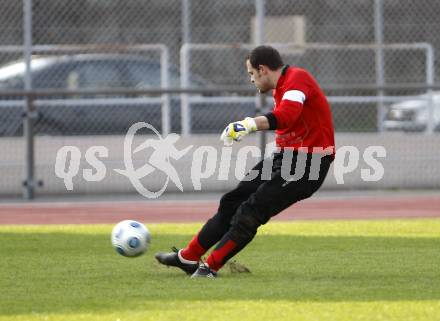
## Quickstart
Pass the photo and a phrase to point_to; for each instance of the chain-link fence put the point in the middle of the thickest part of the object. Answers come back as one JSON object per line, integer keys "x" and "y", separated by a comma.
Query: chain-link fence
{"x": 137, "y": 44}
{"x": 354, "y": 113}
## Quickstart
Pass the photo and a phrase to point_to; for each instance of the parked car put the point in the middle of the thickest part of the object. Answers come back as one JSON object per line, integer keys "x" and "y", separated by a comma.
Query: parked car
{"x": 413, "y": 114}
{"x": 95, "y": 114}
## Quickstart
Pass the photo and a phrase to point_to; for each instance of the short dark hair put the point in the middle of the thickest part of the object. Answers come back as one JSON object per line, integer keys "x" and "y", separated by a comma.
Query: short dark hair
{"x": 265, "y": 55}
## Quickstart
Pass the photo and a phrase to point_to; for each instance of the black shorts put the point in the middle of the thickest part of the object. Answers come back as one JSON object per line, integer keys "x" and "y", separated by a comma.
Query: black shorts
{"x": 272, "y": 186}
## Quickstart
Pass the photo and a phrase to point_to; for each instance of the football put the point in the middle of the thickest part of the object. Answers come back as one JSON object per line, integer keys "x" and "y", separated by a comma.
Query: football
{"x": 130, "y": 238}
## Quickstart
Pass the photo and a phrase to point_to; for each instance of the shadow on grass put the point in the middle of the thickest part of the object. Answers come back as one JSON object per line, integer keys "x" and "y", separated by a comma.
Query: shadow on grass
{"x": 62, "y": 273}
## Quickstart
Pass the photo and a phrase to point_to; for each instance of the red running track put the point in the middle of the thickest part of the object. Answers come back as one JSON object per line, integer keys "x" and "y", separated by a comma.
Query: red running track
{"x": 199, "y": 211}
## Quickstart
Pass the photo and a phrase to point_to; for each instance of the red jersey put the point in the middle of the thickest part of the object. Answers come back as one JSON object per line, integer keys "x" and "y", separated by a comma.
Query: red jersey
{"x": 302, "y": 113}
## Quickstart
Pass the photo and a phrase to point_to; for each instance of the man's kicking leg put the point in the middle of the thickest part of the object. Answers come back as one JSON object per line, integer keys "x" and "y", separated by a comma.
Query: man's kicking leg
{"x": 270, "y": 199}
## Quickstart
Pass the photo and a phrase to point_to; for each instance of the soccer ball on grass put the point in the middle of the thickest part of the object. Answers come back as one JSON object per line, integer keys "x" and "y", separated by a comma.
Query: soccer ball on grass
{"x": 130, "y": 238}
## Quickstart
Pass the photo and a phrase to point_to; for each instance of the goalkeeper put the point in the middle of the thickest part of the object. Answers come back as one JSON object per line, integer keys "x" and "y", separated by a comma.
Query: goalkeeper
{"x": 302, "y": 121}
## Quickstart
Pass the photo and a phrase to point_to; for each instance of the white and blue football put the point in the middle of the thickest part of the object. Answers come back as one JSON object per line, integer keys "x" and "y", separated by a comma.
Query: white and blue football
{"x": 130, "y": 238}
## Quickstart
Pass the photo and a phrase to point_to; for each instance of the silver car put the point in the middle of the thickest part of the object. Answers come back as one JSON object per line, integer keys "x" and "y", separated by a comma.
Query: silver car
{"x": 104, "y": 115}
{"x": 414, "y": 114}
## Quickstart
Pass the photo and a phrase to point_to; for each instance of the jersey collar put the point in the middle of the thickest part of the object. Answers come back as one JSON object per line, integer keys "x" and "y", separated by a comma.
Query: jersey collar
{"x": 283, "y": 76}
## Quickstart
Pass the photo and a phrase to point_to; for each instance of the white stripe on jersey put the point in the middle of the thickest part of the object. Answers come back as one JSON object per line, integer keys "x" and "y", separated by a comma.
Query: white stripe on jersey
{"x": 294, "y": 95}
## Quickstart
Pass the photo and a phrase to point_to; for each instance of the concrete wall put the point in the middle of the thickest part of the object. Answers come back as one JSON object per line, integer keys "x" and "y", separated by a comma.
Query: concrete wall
{"x": 412, "y": 161}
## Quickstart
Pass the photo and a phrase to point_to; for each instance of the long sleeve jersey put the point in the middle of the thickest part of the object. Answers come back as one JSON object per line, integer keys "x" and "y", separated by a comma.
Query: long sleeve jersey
{"x": 301, "y": 115}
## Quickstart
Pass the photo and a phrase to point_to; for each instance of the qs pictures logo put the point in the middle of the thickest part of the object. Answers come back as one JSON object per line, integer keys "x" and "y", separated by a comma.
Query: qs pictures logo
{"x": 160, "y": 152}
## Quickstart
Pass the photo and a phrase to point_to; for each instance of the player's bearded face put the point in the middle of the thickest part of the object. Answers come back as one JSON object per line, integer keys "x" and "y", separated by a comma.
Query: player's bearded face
{"x": 260, "y": 82}
{"x": 257, "y": 78}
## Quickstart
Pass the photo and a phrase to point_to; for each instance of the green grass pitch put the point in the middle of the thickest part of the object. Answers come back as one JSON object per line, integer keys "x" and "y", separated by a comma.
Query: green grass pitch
{"x": 328, "y": 270}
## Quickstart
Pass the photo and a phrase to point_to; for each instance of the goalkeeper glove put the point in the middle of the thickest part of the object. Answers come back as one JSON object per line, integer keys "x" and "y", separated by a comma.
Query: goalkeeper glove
{"x": 236, "y": 131}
